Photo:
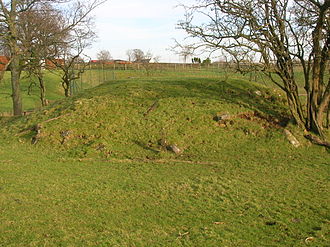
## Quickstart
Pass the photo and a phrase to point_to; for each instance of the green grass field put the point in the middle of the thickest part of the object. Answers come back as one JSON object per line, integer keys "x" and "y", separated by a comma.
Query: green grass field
{"x": 99, "y": 174}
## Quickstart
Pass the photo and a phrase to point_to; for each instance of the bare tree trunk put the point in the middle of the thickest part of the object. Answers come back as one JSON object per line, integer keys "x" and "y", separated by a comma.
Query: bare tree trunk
{"x": 318, "y": 98}
{"x": 285, "y": 71}
{"x": 66, "y": 82}
{"x": 295, "y": 109}
{"x": 66, "y": 87}
{"x": 15, "y": 83}
{"x": 317, "y": 112}
{"x": 328, "y": 117}
{"x": 42, "y": 90}
{"x": 324, "y": 105}
{"x": 15, "y": 61}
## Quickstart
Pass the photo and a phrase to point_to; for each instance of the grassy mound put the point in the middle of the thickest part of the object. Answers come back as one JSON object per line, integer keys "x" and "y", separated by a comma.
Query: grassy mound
{"x": 141, "y": 119}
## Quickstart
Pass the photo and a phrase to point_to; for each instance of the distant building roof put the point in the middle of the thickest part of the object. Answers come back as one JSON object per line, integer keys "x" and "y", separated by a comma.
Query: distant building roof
{"x": 118, "y": 61}
{"x": 3, "y": 62}
{"x": 121, "y": 61}
{"x": 145, "y": 60}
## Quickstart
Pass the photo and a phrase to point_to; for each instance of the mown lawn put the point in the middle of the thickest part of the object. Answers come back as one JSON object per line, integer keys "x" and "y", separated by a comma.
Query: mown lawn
{"x": 254, "y": 200}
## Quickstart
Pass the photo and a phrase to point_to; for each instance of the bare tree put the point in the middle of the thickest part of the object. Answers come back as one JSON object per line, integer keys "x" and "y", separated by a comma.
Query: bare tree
{"x": 10, "y": 12}
{"x": 143, "y": 58}
{"x": 129, "y": 54}
{"x": 145, "y": 61}
{"x": 280, "y": 32}
{"x": 104, "y": 56}
{"x": 77, "y": 35}
{"x": 185, "y": 52}
{"x": 39, "y": 30}
{"x": 69, "y": 54}
{"x": 156, "y": 59}
{"x": 147, "y": 57}
{"x": 72, "y": 66}
{"x": 138, "y": 55}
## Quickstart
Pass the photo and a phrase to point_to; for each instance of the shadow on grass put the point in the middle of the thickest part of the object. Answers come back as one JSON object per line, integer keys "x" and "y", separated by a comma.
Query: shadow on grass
{"x": 236, "y": 92}
{"x": 146, "y": 147}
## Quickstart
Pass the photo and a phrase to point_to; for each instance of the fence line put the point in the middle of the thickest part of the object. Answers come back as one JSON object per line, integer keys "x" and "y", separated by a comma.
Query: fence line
{"x": 96, "y": 74}
{"x": 157, "y": 66}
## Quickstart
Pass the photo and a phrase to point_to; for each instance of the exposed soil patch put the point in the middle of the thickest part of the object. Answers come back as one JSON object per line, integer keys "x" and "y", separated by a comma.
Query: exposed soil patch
{"x": 267, "y": 121}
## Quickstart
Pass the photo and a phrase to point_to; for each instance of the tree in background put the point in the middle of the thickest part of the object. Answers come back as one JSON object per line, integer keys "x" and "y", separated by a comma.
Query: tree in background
{"x": 39, "y": 30}
{"x": 9, "y": 12}
{"x": 68, "y": 55}
{"x": 184, "y": 51}
{"x": 104, "y": 56}
{"x": 156, "y": 59}
{"x": 281, "y": 33}
{"x": 77, "y": 35}
{"x": 138, "y": 55}
{"x": 147, "y": 57}
{"x": 144, "y": 59}
{"x": 75, "y": 15}
{"x": 129, "y": 54}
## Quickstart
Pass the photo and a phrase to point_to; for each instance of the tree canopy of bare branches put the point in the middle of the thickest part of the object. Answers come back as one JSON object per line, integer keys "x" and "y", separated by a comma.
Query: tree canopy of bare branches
{"x": 104, "y": 56}
{"x": 279, "y": 33}
{"x": 184, "y": 51}
{"x": 35, "y": 30}
{"x": 139, "y": 56}
{"x": 40, "y": 30}
{"x": 77, "y": 34}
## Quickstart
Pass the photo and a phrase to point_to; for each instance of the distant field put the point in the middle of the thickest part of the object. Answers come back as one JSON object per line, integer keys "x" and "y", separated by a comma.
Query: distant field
{"x": 100, "y": 171}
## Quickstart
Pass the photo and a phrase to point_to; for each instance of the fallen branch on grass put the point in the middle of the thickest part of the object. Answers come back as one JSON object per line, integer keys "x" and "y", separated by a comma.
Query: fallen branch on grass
{"x": 52, "y": 119}
{"x": 151, "y": 108}
{"x": 316, "y": 140}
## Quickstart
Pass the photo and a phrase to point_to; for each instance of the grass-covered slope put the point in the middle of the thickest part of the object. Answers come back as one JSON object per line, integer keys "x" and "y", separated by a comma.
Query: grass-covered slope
{"x": 130, "y": 119}
{"x": 99, "y": 173}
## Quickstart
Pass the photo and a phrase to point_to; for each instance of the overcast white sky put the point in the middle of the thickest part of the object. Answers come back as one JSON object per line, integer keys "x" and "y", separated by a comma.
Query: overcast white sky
{"x": 143, "y": 24}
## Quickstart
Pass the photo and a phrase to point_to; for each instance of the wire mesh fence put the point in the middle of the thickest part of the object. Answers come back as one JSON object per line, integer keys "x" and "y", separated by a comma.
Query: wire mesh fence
{"x": 96, "y": 74}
